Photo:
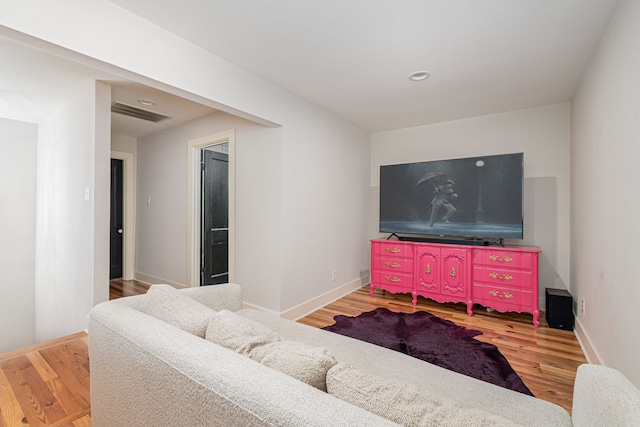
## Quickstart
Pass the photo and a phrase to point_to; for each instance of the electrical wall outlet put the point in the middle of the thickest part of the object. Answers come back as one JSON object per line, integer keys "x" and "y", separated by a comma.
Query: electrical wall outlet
{"x": 334, "y": 275}
{"x": 582, "y": 306}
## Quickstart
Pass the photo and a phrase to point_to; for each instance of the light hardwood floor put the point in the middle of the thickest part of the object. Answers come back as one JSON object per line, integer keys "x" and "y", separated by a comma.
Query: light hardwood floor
{"x": 48, "y": 384}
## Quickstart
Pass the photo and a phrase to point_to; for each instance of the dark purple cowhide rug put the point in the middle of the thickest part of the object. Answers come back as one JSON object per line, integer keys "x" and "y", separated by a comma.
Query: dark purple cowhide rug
{"x": 434, "y": 340}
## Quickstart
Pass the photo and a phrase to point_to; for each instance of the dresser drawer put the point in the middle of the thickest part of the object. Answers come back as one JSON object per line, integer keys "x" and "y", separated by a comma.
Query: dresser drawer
{"x": 504, "y": 299}
{"x": 504, "y": 259}
{"x": 392, "y": 281}
{"x": 391, "y": 264}
{"x": 503, "y": 277}
{"x": 393, "y": 248}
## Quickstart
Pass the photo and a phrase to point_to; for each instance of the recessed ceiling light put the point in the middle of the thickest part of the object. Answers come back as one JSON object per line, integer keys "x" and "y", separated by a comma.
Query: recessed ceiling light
{"x": 146, "y": 102}
{"x": 419, "y": 76}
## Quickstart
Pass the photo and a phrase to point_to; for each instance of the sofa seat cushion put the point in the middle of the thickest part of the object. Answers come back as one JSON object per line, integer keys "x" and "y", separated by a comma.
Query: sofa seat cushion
{"x": 304, "y": 362}
{"x": 166, "y": 303}
{"x": 402, "y": 403}
{"x": 236, "y": 333}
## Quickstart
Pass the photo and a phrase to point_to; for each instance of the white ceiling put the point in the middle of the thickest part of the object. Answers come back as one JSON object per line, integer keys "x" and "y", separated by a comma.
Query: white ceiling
{"x": 34, "y": 83}
{"x": 353, "y": 57}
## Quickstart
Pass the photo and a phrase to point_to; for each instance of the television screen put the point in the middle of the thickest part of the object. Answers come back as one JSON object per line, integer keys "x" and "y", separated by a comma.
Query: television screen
{"x": 475, "y": 197}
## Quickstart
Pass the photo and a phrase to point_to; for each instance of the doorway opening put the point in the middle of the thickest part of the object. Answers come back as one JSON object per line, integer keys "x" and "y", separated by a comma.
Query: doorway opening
{"x": 211, "y": 209}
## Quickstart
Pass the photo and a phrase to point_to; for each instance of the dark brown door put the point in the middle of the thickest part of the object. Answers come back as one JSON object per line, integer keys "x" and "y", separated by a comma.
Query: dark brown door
{"x": 117, "y": 223}
{"x": 215, "y": 218}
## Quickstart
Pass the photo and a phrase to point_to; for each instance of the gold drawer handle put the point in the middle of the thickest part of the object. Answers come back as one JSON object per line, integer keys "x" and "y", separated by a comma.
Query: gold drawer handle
{"x": 505, "y": 294}
{"x": 393, "y": 264}
{"x": 427, "y": 269}
{"x": 393, "y": 250}
{"x": 453, "y": 273}
{"x": 392, "y": 279}
{"x": 497, "y": 258}
{"x": 504, "y": 276}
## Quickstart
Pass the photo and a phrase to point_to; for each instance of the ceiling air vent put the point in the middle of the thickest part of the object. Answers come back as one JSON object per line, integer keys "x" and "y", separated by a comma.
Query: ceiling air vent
{"x": 139, "y": 113}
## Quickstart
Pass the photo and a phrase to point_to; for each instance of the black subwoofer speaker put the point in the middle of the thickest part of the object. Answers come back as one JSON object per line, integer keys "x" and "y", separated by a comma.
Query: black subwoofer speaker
{"x": 559, "y": 305}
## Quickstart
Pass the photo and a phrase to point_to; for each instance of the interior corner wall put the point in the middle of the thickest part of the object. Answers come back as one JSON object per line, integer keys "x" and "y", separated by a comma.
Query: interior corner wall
{"x": 542, "y": 134}
{"x": 65, "y": 234}
{"x": 161, "y": 230}
{"x": 325, "y": 210}
{"x": 18, "y": 148}
{"x": 605, "y": 149}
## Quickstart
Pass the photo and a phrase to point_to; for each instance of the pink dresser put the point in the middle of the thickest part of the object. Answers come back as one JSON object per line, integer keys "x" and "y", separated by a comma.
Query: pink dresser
{"x": 503, "y": 278}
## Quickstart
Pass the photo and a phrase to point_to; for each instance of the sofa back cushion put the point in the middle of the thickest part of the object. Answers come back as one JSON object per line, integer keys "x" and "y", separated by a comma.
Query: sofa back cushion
{"x": 168, "y": 304}
{"x": 403, "y": 403}
{"x": 236, "y": 333}
{"x": 301, "y": 361}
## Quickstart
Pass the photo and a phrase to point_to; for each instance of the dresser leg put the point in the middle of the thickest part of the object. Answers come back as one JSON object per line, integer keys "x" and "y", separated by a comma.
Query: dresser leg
{"x": 469, "y": 308}
{"x": 536, "y": 316}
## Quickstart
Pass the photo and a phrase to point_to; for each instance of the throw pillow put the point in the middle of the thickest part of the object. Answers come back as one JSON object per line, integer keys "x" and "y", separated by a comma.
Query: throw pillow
{"x": 237, "y": 333}
{"x": 303, "y": 362}
{"x": 170, "y": 305}
{"x": 402, "y": 403}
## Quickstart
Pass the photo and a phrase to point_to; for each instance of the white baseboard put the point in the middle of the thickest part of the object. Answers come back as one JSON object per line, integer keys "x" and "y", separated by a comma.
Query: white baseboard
{"x": 153, "y": 280}
{"x": 314, "y": 304}
{"x": 257, "y": 307}
{"x": 590, "y": 352}
{"x": 317, "y": 303}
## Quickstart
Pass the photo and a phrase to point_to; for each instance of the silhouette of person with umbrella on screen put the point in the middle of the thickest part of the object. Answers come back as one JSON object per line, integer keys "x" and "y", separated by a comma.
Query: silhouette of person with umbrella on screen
{"x": 442, "y": 199}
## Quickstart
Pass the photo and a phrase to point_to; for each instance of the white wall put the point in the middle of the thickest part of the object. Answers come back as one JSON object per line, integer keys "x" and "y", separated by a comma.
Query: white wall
{"x": 286, "y": 250}
{"x": 325, "y": 210}
{"x": 18, "y": 142}
{"x": 69, "y": 279}
{"x": 161, "y": 244}
{"x": 124, "y": 144}
{"x": 605, "y": 149}
{"x": 542, "y": 134}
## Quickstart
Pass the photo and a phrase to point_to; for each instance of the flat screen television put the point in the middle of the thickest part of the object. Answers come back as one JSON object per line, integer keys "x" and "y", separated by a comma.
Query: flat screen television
{"x": 474, "y": 198}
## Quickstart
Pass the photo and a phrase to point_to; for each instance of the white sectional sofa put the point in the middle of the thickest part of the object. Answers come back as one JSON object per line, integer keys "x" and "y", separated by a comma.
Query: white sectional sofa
{"x": 156, "y": 362}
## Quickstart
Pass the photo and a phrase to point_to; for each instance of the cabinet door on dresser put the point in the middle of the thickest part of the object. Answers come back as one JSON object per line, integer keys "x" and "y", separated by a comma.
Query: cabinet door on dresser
{"x": 455, "y": 277}
{"x": 392, "y": 266}
{"x": 443, "y": 273}
{"x": 428, "y": 269}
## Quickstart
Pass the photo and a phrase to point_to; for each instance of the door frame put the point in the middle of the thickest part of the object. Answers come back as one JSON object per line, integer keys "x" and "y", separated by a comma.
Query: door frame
{"x": 194, "y": 208}
{"x": 129, "y": 206}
